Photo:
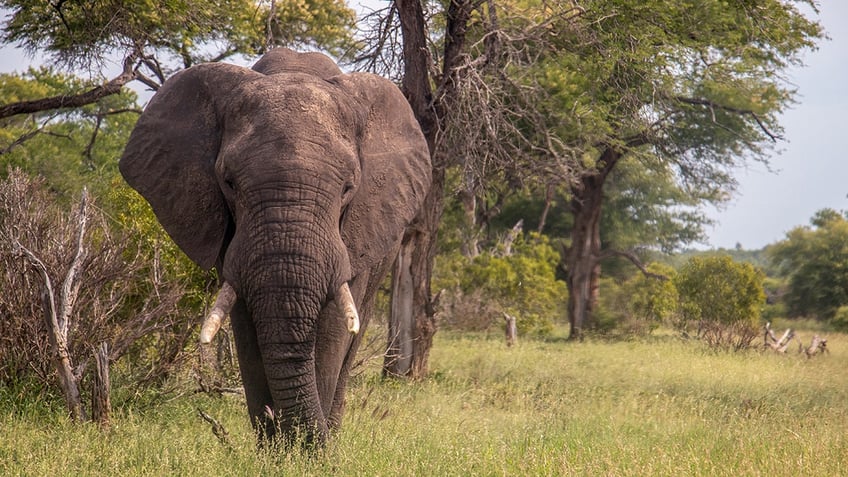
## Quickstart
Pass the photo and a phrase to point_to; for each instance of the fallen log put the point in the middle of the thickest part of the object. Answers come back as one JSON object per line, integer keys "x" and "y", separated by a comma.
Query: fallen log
{"x": 778, "y": 345}
{"x": 818, "y": 345}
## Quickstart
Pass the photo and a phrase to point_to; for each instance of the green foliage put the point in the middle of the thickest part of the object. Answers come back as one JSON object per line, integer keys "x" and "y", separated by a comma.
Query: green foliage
{"x": 719, "y": 290}
{"x": 723, "y": 297}
{"x": 676, "y": 75}
{"x": 71, "y": 149}
{"x": 522, "y": 283}
{"x": 640, "y": 304}
{"x": 645, "y": 206}
{"x": 82, "y": 33}
{"x": 840, "y": 319}
{"x": 686, "y": 90}
{"x": 814, "y": 260}
{"x": 653, "y": 299}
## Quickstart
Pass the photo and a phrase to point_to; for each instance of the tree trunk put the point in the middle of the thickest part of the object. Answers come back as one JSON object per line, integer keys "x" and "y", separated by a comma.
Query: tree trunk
{"x": 470, "y": 231}
{"x": 412, "y": 323}
{"x": 511, "y": 330}
{"x": 549, "y": 199}
{"x": 582, "y": 257}
{"x": 398, "y": 358}
{"x": 62, "y": 359}
{"x": 419, "y": 242}
{"x": 101, "y": 406}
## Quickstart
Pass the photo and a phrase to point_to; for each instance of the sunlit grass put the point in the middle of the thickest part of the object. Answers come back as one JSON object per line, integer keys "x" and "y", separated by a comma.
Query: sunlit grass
{"x": 654, "y": 407}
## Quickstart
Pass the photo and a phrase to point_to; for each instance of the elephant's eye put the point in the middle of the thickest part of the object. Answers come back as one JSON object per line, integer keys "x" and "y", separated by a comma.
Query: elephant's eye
{"x": 348, "y": 187}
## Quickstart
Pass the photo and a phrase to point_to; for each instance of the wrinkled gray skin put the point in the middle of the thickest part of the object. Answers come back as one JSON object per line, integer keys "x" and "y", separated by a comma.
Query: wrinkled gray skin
{"x": 290, "y": 178}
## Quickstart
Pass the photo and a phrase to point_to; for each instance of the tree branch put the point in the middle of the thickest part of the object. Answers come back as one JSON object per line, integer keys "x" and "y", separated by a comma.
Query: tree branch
{"x": 113, "y": 86}
{"x": 26, "y": 136}
{"x": 713, "y": 105}
{"x": 630, "y": 255}
{"x": 71, "y": 285}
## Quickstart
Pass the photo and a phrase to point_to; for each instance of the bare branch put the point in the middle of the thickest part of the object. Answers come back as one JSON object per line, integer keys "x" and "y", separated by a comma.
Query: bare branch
{"x": 113, "y": 86}
{"x": 71, "y": 284}
{"x": 27, "y": 136}
{"x": 713, "y": 105}
{"x": 630, "y": 255}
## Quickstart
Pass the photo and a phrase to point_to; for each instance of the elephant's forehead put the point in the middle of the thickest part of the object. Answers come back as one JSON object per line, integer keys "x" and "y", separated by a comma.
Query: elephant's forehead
{"x": 290, "y": 96}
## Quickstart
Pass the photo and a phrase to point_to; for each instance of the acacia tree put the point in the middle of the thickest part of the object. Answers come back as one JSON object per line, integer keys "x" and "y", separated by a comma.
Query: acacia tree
{"x": 691, "y": 90}
{"x": 688, "y": 91}
{"x": 153, "y": 40}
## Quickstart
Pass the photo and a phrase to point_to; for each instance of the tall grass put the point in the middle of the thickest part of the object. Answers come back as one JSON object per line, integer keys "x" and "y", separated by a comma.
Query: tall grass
{"x": 657, "y": 407}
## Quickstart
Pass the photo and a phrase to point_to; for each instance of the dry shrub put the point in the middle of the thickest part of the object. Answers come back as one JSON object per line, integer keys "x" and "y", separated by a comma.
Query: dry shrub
{"x": 122, "y": 297}
{"x": 474, "y": 311}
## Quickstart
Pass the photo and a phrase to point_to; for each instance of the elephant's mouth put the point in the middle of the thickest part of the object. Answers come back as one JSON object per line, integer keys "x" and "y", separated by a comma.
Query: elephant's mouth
{"x": 227, "y": 298}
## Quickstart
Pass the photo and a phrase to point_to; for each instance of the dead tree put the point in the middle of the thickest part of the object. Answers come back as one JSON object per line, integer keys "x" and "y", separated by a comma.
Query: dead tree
{"x": 817, "y": 345}
{"x": 58, "y": 309}
{"x": 84, "y": 285}
{"x": 770, "y": 340}
{"x": 511, "y": 329}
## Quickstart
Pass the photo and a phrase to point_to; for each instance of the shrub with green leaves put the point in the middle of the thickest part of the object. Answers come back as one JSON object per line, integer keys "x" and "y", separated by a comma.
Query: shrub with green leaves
{"x": 640, "y": 304}
{"x": 840, "y": 319}
{"x": 723, "y": 297}
{"x": 479, "y": 290}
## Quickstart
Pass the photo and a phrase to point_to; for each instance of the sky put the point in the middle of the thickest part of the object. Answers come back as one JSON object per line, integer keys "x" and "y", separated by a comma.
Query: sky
{"x": 808, "y": 174}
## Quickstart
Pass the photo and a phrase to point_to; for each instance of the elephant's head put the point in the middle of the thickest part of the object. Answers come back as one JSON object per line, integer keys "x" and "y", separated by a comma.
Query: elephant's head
{"x": 291, "y": 179}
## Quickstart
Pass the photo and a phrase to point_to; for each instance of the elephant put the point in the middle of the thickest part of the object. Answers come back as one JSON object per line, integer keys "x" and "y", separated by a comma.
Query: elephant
{"x": 295, "y": 181}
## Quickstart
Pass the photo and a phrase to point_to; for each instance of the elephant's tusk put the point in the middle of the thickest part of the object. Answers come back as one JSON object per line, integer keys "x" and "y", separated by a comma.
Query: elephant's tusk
{"x": 344, "y": 300}
{"x": 223, "y": 304}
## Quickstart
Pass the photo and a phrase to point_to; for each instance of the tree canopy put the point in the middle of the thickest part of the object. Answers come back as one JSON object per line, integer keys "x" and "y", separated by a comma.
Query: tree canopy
{"x": 814, "y": 259}
{"x": 685, "y": 90}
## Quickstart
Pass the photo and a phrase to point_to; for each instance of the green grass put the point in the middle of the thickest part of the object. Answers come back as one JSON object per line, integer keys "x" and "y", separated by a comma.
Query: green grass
{"x": 654, "y": 407}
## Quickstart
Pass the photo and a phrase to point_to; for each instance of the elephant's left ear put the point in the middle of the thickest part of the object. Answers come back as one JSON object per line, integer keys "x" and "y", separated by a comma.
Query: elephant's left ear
{"x": 396, "y": 170}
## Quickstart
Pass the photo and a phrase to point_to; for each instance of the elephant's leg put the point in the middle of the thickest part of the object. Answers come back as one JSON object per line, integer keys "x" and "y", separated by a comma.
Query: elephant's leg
{"x": 252, "y": 373}
{"x": 331, "y": 347}
{"x": 336, "y": 411}
{"x": 371, "y": 283}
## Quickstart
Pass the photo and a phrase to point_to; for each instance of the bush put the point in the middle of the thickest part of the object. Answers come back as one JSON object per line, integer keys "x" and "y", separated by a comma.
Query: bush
{"x": 640, "y": 304}
{"x": 476, "y": 292}
{"x": 839, "y": 322}
{"x": 123, "y": 296}
{"x": 723, "y": 298}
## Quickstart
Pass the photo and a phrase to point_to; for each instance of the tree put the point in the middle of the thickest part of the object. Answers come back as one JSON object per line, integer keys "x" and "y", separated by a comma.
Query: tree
{"x": 724, "y": 298}
{"x": 814, "y": 259}
{"x": 70, "y": 148}
{"x": 451, "y": 67}
{"x": 689, "y": 91}
{"x": 154, "y": 40}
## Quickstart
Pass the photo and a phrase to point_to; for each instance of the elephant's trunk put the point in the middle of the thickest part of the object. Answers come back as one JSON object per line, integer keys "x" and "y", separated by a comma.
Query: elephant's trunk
{"x": 284, "y": 316}
{"x": 288, "y": 268}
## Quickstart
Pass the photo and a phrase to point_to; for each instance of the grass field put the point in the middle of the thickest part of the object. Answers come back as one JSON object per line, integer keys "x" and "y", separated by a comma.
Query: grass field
{"x": 652, "y": 407}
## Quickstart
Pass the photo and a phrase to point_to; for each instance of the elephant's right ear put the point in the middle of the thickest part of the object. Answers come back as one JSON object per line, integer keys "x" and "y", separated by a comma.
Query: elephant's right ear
{"x": 171, "y": 154}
